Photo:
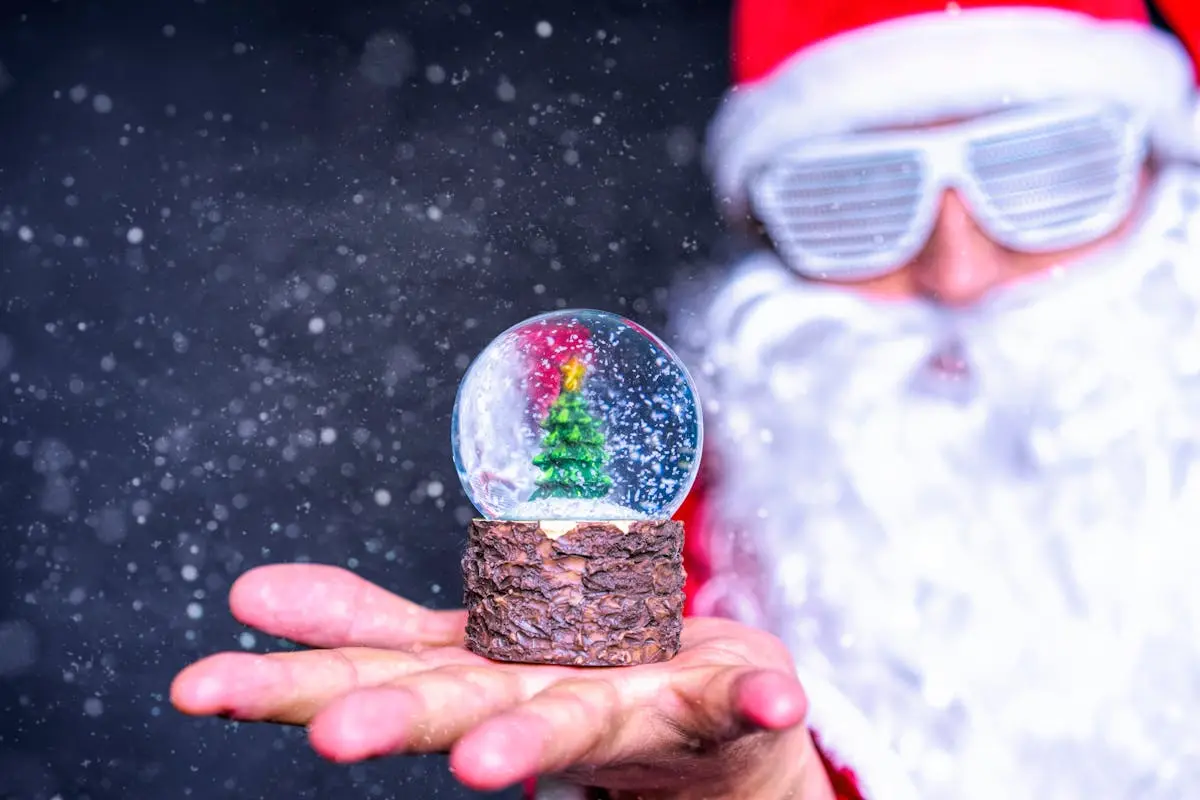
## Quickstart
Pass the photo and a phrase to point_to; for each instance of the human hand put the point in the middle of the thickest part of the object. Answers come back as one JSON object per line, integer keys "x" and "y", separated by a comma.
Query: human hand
{"x": 723, "y": 719}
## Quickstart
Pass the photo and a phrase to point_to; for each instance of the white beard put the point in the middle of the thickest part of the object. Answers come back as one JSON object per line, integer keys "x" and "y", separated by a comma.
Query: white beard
{"x": 1003, "y": 578}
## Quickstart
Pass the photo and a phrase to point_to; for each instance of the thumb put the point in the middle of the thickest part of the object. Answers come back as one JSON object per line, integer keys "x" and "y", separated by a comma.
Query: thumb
{"x": 737, "y": 701}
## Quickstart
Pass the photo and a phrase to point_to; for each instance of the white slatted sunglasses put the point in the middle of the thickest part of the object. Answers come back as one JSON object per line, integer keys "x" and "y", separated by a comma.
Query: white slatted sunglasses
{"x": 1035, "y": 179}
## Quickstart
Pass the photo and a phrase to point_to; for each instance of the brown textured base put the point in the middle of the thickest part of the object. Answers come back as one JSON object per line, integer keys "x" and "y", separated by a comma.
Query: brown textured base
{"x": 583, "y": 594}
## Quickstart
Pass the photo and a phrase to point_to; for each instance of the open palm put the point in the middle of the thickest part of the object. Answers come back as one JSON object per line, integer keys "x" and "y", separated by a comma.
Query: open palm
{"x": 391, "y": 677}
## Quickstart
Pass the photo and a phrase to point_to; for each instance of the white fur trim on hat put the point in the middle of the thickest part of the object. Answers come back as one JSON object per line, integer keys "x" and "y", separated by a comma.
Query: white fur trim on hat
{"x": 942, "y": 65}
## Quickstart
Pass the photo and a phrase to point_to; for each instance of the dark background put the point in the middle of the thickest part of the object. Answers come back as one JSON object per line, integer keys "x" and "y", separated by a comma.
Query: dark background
{"x": 247, "y": 248}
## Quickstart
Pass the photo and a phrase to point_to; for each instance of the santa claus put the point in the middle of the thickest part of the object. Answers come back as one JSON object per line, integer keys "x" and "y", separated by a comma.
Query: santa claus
{"x": 953, "y": 449}
{"x": 953, "y": 400}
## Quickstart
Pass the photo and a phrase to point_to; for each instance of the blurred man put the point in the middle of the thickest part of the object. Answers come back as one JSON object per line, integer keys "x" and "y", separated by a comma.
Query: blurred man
{"x": 953, "y": 402}
{"x": 954, "y": 430}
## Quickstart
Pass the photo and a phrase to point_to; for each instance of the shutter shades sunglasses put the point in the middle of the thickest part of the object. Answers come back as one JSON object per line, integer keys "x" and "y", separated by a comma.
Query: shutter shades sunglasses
{"x": 1036, "y": 180}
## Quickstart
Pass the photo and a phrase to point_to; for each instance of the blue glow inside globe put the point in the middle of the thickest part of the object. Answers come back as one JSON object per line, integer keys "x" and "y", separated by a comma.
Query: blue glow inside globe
{"x": 577, "y": 415}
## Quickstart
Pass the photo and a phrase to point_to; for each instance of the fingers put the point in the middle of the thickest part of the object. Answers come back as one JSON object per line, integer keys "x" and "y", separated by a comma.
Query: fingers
{"x": 477, "y": 714}
{"x": 769, "y": 700}
{"x": 291, "y": 688}
{"x": 427, "y": 713}
{"x": 736, "y": 700}
{"x": 757, "y": 689}
{"x": 570, "y": 723}
{"x": 497, "y": 737}
{"x": 323, "y": 606}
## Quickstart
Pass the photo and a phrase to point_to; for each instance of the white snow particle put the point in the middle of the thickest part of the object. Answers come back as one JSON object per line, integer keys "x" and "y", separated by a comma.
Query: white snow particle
{"x": 246, "y": 640}
{"x": 434, "y": 489}
{"x": 544, "y": 29}
{"x": 168, "y": 31}
{"x": 102, "y": 103}
{"x": 435, "y": 73}
{"x": 328, "y": 436}
{"x": 25, "y": 233}
{"x": 434, "y": 213}
{"x": 189, "y": 572}
{"x": 316, "y": 325}
{"x": 195, "y": 611}
{"x": 135, "y": 235}
{"x": 78, "y": 93}
{"x": 506, "y": 91}
{"x": 383, "y": 497}
{"x": 93, "y": 707}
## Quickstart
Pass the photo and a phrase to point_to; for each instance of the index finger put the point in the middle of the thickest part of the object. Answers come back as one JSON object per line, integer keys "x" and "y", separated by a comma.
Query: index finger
{"x": 324, "y": 606}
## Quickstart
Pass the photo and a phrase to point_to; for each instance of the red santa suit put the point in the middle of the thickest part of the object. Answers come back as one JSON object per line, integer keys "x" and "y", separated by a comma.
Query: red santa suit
{"x": 989, "y": 592}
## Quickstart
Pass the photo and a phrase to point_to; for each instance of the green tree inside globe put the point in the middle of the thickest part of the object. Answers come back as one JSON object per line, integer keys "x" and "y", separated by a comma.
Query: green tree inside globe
{"x": 572, "y": 457}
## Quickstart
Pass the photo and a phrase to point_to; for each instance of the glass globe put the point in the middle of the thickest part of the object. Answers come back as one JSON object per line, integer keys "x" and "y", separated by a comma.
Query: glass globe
{"x": 577, "y": 415}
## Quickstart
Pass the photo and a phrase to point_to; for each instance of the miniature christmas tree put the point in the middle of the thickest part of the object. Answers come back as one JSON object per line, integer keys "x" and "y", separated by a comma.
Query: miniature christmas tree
{"x": 572, "y": 458}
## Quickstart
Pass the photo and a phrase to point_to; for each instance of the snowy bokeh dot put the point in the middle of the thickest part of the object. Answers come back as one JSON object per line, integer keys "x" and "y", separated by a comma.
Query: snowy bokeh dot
{"x": 577, "y": 414}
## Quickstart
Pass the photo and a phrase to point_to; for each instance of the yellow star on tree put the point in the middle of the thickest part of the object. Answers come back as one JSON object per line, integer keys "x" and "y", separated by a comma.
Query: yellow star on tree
{"x": 572, "y": 374}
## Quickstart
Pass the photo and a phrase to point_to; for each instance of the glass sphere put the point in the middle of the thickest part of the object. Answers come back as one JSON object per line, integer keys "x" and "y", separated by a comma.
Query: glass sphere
{"x": 577, "y": 415}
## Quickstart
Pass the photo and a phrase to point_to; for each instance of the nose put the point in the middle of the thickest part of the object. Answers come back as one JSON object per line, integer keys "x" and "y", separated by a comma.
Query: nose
{"x": 959, "y": 264}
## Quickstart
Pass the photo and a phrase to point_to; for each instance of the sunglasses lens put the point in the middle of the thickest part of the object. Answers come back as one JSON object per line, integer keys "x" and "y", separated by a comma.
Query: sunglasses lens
{"x": 841, "y": 217}
{"x": 1059, "y": 184}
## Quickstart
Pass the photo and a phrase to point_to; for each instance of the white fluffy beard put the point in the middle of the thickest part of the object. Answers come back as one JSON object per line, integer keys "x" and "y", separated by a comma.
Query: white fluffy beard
{"x": 1001, "y": 573}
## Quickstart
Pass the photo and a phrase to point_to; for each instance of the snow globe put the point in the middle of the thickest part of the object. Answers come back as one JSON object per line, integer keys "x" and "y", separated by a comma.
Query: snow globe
{"x": 577, "y": 435}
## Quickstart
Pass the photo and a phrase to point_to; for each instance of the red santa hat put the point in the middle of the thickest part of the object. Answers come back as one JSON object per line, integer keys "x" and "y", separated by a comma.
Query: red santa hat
{"x": 806, "y": 68}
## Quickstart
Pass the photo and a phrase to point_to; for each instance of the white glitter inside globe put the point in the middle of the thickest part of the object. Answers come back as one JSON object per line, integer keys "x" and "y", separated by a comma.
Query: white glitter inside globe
{"x": 571, "y": 508}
